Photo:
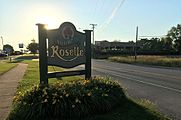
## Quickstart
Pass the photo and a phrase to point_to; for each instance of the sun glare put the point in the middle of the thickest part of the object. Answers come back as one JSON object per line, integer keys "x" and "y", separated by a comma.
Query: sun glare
{"x": 47, "y": 20}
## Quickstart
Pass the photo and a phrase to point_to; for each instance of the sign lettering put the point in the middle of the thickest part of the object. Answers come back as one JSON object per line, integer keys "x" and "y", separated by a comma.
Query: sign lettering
{"x": 64, "y": 45}
{"x": 61, "y": 53}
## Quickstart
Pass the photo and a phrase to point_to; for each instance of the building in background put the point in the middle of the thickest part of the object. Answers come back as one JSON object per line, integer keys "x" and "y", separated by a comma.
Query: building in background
{"x": 115, "y": 45}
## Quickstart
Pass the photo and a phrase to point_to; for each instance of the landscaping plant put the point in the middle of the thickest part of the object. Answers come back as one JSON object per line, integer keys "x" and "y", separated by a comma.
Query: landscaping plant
{"x": 70, "y": 100}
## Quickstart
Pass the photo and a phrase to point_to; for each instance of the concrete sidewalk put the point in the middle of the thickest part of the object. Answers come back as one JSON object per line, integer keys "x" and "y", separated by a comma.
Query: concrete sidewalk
{"x": 8, "y": 86}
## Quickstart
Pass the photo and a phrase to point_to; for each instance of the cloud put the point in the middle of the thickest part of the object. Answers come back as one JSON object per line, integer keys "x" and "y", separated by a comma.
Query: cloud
{"x": 111, "y": 17}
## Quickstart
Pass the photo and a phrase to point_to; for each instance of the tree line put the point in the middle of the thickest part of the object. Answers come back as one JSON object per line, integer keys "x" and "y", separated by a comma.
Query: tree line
{"x": 169, "y": 44}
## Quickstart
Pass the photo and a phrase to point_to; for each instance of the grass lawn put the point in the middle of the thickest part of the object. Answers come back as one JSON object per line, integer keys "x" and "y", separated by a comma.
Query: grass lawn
{"x": 149, "y": 60}
{"x": 32, "y": 77}
{"x": 6, "y": 66}
{"x": 131, "y": 109}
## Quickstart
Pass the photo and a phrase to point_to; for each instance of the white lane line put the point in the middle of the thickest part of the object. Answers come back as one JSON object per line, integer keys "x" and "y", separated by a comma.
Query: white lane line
{"x": 146, "y": 72}
{"x": 140, "y": 81}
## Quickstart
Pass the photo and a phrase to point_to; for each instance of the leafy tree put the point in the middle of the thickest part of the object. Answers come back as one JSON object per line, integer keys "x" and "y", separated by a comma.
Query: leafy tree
{"x": 151, "y": 45}
{"x": 167, "y": 44}
{"x": 8, "y": 48}
{"x": 175, "y": 35}
{"x": 156, "y": 44}
{"x": 33, "y": 47}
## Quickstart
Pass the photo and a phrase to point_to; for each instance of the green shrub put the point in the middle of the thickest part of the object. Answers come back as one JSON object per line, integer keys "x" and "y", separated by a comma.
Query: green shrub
{"x": 71, "y": 100}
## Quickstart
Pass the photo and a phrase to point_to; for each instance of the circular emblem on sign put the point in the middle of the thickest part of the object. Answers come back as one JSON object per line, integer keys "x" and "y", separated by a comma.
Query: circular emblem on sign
{"x": 68, "y": 32}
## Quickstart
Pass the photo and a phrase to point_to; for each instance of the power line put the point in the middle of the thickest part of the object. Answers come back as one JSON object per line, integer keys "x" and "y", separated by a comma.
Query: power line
{"x": 95, "y": 9}
{"x": 93, "y": 26}
{"x": 100, "y": 12}
{"x": 142, "y": 37}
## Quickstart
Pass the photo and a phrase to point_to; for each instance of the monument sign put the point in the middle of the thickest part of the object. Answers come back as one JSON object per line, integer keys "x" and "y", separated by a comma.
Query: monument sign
{"x": 67, "y": 48}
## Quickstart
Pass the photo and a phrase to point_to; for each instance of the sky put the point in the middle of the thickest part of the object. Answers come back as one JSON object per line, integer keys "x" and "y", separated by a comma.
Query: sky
{"x": 115, "y": 19}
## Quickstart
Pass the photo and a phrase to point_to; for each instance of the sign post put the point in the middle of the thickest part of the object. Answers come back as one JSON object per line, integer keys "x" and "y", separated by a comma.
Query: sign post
{"x": 67, "y": 48}
{"x": 42, "y": 54}
{"x": 88, "y": 54}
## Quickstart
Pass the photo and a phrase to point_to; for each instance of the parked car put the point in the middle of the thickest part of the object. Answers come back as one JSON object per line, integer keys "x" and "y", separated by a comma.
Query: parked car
{"x": 17, "y": 53}
{"x": 3, "y": 55}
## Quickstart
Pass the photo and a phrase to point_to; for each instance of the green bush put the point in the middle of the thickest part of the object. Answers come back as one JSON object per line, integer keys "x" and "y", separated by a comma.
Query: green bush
{"x": 71, "y": 100}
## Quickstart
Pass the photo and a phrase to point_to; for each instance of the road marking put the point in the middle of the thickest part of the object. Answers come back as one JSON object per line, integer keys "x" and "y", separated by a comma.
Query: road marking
{"x": 140, "y": 81}
{"x": 141, "y": 72}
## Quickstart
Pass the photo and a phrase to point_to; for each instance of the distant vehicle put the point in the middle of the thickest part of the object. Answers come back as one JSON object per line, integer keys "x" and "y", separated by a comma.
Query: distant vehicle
{"x": 3, "y": 55}
{"x": 17, "y": 53}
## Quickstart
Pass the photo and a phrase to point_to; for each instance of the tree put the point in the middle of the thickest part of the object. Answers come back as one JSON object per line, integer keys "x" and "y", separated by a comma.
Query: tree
{"x": 167, "y": 44}
{"x": 153, "y": 46}
{"x": 33, "y": 47}
{"x": 175, "y": 34}
{"x": 156, "y": 44}
{"x": 8, "y": 48}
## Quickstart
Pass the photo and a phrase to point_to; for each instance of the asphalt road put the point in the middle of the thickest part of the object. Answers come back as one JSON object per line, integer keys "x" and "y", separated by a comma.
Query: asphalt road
{"x": 160, "y": 85}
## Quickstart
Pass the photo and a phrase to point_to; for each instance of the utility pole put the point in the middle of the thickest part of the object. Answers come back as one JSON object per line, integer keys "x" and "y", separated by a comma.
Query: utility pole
{"x": 93, "y": 26}
{"x": 135, "y": 52}
{"x": 2, "y": 42}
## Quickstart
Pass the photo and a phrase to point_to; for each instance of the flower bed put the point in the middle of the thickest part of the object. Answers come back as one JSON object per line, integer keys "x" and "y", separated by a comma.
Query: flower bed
{"x": 71, "y": 100}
